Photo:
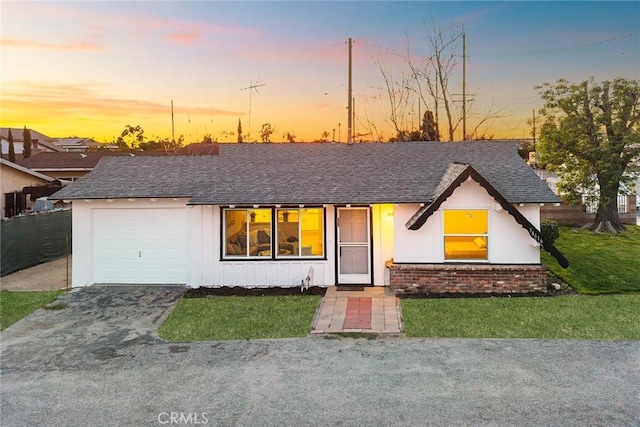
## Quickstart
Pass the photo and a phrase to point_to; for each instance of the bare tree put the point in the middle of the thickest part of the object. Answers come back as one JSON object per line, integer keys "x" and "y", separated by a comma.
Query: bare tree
{"x": 398, "y": 92}
{"x": 436, "y": 72}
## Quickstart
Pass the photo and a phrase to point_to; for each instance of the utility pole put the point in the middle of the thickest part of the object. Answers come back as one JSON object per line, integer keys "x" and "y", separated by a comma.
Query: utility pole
{"x": 534, "y": 129}
{"x": 173, "y": 134}
{"x": 464, "y": 87}
{"x": 353, "y": 111}
{"x": 350, "y": 104}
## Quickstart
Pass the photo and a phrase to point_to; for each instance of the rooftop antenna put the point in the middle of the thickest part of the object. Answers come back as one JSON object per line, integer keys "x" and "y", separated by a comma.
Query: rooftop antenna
{"x": 254, "y": 86}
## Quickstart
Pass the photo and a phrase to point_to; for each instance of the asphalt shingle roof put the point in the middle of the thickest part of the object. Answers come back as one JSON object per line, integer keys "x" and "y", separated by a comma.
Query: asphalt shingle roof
{"x": 311, "y": 173}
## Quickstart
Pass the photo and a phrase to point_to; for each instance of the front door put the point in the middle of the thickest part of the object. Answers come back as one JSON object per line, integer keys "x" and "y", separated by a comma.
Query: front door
{"x": 354, "y": 246}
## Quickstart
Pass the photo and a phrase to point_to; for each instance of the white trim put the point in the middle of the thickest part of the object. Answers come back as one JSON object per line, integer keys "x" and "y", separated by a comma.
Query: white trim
{"x": 26, "y": 170}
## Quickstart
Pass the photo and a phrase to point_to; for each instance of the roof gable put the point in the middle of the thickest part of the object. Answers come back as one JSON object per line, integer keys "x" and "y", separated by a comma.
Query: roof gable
{"x": 455, "y": 175}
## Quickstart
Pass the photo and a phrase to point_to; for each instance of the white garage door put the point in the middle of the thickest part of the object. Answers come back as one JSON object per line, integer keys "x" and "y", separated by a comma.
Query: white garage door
{"x": 139, "y": 246}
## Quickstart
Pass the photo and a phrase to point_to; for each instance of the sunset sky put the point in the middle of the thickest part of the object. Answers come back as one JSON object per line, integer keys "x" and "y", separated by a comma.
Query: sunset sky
{"x": 90, "y": 68}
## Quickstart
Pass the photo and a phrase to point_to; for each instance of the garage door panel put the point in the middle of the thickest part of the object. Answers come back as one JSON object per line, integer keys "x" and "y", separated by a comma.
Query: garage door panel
{"x": 139, "y": 246}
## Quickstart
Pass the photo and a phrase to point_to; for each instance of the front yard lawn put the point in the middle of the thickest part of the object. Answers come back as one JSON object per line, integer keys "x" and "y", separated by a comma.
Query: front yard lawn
{"x": 599, "y": 263}
{"x": 240, "y": 317}
{"x": 16, "y": 305}
{"x": 570, "y": 317}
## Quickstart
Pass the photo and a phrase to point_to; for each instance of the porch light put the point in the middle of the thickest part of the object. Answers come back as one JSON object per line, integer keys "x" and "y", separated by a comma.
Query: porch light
{"x": 87, "y": 201}
{"x": 301, "y": 206}
{"x": 131, "y": 200}
{"x": 153, "y": 200}
{"x": 109, "y": 200}
{"x": 498, "y": 207}
{"x": 232, "y": 206}
{"x": 256, "y": 206}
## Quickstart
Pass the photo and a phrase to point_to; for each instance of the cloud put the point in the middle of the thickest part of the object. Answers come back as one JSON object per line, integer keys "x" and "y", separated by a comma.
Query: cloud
{"x": 183, "y": 38}
{"x": 273, "y": 52}
{"x": 39, "y": 45}
{"x": 63, "y": 100}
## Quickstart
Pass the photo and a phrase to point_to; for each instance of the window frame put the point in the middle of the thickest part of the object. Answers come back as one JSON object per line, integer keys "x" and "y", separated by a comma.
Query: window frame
{"x": 224, "y": 256}
{"x": 299, "y": 255}
{"x": 247, "y": 255}
{"x": 474, "y": 235}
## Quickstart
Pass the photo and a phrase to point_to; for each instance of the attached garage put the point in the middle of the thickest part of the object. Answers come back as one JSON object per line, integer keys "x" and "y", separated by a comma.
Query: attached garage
{"x": 139, "y": 246}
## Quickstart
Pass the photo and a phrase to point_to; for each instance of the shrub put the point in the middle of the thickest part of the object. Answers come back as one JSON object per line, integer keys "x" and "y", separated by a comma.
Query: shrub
{"x": 549, "y": 230}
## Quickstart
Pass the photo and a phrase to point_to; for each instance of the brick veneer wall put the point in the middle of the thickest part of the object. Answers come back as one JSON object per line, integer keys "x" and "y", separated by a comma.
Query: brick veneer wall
{"x": 466, "y": 278}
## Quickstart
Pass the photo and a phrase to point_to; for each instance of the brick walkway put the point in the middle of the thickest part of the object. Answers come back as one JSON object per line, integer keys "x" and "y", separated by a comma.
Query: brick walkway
{"x": 372, "y": 310}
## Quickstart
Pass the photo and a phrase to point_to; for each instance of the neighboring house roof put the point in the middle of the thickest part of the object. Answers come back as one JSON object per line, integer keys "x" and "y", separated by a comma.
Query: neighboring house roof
{"x": 76, "y": 144}
{"x": 68, "y": 160}
{"x": 42, "y": 139}
{"x": 311, "y": 173}
{"x": 27, "y": 171}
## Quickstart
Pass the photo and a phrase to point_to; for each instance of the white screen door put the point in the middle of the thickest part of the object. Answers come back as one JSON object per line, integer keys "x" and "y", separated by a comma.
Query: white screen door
{"x": 354, "y": 246}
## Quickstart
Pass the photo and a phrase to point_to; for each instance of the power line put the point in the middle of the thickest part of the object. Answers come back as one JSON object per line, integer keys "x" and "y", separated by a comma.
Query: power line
{"x": 539, "y": 52}
{"x": 564, "y": 49}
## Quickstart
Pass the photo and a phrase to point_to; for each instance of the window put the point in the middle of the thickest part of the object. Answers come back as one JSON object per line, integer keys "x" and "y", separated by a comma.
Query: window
{"x": 248, "y": 233}
{"x": 465, "y": 234}
{"x": 300, "y": 232}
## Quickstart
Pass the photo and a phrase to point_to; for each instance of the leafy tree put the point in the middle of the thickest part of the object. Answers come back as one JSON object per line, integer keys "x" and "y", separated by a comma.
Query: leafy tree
{"x": 266, "y": 132}
{"x": 12, "y": 148}
{"x": 291, "y": 137}
{"x": 164, "y": 144}
{"x": 131, "y": 137}
{"x": 591, "y": 136}
{"x": 26, "y": 138}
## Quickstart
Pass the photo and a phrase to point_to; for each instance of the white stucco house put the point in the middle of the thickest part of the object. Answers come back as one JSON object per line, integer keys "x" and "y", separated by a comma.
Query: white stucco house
{"x": 421, "y": 217}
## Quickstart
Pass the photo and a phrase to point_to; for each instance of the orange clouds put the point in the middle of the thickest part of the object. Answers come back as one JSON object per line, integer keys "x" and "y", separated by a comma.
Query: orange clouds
{"x": 183, "y": 38}
{"x": 82, "y": 109}
{"x": 38, "y": 45}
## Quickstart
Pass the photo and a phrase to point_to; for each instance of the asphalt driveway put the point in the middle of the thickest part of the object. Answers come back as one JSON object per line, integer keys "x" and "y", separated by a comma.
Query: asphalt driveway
{"x": 98, "y": 361}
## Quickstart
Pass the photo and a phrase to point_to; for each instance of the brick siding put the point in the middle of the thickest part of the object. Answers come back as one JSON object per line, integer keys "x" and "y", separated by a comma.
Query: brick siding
{"x": 407, "y": 279}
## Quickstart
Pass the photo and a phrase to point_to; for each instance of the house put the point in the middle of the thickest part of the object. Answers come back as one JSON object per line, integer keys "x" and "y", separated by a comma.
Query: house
{"x": 416, "y": 216}
{"x": 78, "y": 144}
{"x": 585, "y": 213}
{"x": 68, "y": 165}
{"x": 13, "y": 179}
{"x": 39, "y": 142}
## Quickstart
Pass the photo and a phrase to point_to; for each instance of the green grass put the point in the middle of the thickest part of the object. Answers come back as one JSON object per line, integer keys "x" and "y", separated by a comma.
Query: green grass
{"x": 16, "y": 305}
{"x": 235, "y": 317}
{"x": 568, "y": 317}
{"x": 599, "y": 263}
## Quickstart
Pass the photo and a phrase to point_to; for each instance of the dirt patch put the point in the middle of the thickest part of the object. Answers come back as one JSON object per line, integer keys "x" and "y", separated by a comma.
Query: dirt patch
{"x": 203, "y": 292}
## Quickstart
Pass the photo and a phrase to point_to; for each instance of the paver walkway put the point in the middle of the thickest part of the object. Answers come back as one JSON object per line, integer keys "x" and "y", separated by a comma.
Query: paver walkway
{"x": 372, "y": 310}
